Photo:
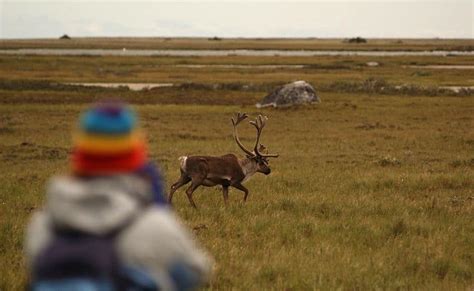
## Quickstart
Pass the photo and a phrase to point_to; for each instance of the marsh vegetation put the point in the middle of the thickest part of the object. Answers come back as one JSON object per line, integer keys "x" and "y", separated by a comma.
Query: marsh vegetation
{"x": 373, "y": 188}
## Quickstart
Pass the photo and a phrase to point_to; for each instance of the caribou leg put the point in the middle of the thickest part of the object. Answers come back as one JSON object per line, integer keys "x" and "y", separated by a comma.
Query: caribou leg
{"x": 242, "y": 188}
{"x": 225, "y": 192}
{"x": 190, "y": 190}
{"x": 183, "y": 180}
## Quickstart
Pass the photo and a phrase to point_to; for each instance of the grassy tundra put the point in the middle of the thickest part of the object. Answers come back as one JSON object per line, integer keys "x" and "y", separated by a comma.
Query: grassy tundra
{"x": 240, "y": 43}
{"x": 372, "y": 189}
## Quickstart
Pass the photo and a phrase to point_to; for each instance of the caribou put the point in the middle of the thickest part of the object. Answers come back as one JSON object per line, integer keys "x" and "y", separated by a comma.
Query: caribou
{"x": 227, "y": 170}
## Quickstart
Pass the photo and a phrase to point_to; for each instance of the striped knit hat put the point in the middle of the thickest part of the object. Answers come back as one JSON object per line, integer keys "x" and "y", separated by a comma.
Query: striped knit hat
{"x": 108, "y": 141}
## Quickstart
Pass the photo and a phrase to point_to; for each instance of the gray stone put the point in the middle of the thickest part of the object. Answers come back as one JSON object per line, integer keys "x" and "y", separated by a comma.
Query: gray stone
{"x": 299, "y": 92}
{"x": 372, "y": 64}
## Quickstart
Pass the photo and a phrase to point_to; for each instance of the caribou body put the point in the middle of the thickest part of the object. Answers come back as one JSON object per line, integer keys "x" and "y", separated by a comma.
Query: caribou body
{"x": 227, "y": 170}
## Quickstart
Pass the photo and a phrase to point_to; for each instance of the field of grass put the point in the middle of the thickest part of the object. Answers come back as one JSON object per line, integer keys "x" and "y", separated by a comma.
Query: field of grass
{"x": 372, "y": 189}
{"x": 240, "y": 43}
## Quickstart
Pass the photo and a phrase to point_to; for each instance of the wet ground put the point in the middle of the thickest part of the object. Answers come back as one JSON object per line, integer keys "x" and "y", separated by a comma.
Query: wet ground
{"x": 448, "y": 67}
{"x": 229, "y": 66}
{"x": 243, "y": 52}
{"x": 147, "y": 86}
{"x": 130, "y": 86}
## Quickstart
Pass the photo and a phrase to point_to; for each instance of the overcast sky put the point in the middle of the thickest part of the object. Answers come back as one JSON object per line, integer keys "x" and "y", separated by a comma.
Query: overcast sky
{"x": 372, "y": 18}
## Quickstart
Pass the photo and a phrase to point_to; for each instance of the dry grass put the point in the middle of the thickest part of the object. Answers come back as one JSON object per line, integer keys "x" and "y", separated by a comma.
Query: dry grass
{"x": 242, "y": 43}
{"x": 317, "y": 70}
{"x": 336, "y": 212}
{"x": 371, "y": 191}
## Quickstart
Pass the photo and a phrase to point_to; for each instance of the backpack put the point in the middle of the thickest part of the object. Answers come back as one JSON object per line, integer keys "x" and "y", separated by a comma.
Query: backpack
{"x": 78, "y": 261}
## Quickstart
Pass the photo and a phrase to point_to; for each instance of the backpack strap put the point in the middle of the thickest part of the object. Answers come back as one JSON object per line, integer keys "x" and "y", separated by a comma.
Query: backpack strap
{"x": 156, "y": 179}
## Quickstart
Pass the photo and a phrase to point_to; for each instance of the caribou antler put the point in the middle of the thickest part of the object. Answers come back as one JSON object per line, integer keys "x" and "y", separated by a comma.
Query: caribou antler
{"x": 238, "y": 118}
{"x": 259, "y": 124}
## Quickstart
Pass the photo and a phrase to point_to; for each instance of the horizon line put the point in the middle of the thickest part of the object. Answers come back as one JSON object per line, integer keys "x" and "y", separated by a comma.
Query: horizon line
{"x": 241, "y": 37}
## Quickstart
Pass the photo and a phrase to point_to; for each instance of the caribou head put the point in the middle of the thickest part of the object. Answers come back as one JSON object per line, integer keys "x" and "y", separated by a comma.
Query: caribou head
{"x": 258, "y": 159}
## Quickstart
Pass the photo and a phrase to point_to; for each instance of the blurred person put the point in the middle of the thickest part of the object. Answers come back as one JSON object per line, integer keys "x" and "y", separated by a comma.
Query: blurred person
{"x": 107, "y": 225}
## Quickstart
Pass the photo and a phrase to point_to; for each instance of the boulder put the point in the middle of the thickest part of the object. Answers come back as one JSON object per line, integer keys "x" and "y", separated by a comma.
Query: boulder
{"x": 65, "y": 36}
{"x": 299, "y": 92}
{"x": 357, "y": 40}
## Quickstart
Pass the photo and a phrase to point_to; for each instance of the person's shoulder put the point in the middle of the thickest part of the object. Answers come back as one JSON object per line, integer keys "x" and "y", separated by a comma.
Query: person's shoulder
{"x": 158, "y": 224}
{"x": 162, "y": 216}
